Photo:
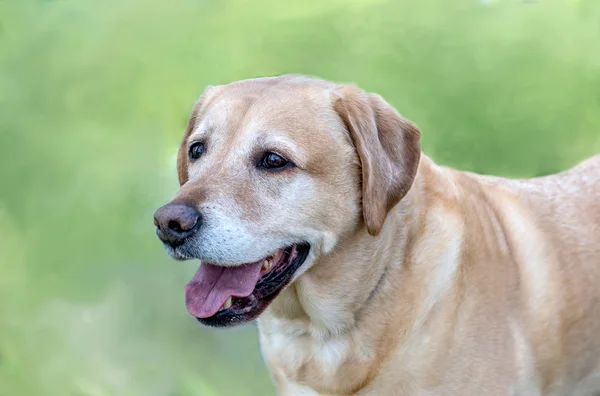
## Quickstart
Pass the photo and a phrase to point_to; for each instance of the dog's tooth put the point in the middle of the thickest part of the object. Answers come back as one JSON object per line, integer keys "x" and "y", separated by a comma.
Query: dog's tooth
{"x": 266, "y": 264}
{"x": 227, "y": 303}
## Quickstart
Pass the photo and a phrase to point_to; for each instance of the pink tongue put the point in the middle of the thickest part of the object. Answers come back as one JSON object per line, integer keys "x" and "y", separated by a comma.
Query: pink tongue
{"x": 210, "y": 287}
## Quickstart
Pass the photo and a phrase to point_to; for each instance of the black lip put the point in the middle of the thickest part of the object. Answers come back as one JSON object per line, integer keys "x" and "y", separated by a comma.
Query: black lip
{"x": 267, "y": 289}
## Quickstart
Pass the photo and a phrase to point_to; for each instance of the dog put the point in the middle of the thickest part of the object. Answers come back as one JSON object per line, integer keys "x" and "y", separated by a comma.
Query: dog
{"x": 369, "y": 269}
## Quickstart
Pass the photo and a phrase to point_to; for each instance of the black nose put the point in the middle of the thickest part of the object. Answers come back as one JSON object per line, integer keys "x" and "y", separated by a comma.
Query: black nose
{"x": 176, "y": 222}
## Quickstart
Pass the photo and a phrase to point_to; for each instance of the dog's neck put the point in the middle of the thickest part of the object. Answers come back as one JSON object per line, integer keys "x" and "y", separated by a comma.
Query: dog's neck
{"x": 333, "y": 300}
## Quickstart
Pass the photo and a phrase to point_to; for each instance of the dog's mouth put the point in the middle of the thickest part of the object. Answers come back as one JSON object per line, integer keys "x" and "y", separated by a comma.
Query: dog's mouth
{"x": 224, "y": 296}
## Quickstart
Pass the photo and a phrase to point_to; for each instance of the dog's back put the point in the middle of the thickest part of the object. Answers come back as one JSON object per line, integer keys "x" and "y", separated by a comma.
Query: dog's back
{"x": 567, "y": 206}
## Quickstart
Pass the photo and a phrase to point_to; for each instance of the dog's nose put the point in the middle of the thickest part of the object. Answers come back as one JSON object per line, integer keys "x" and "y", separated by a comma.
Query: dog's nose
{"x": 175, "y": 222}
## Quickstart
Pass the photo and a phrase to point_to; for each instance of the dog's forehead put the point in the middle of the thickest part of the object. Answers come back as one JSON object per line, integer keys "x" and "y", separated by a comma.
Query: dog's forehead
{"x": 259, "y": 109}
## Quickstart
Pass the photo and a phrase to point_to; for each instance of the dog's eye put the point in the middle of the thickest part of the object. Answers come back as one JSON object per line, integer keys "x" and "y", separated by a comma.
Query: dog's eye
{"x": 273, "y": 161}
{"x": 196, "y": 150}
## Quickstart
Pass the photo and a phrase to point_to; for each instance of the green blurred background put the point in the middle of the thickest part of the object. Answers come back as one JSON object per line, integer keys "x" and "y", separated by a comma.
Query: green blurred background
{"x": 94, "y": 96}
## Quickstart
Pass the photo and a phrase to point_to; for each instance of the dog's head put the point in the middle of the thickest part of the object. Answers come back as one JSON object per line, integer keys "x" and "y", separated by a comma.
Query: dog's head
{"x": 273, "y": 173}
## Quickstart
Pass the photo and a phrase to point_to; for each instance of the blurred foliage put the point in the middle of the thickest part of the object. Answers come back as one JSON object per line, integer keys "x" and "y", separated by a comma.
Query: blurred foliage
{"x": 94, "y": 96}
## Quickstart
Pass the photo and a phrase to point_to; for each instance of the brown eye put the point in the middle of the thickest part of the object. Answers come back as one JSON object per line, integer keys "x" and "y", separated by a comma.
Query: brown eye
{"x": 273, "y": 161}
{"x": 196, "y": 150}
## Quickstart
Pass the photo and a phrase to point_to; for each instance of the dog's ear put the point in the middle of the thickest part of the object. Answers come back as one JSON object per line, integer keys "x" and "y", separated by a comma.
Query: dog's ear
{"x": 388, "y": 147}
{"x": 197, "y": 111}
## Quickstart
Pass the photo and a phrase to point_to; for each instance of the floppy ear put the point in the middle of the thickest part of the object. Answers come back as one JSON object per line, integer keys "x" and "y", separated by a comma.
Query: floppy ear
{"x": 197, "y": 111}
{"x": 388, "y": 148}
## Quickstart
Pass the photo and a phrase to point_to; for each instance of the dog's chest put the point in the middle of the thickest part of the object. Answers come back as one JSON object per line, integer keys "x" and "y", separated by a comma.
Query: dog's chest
{"x": 294, "y": 352}
{"x": 296, "y": 357}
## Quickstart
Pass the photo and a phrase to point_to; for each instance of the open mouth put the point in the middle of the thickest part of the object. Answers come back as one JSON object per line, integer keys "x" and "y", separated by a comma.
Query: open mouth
{"x": 224, "y": 296}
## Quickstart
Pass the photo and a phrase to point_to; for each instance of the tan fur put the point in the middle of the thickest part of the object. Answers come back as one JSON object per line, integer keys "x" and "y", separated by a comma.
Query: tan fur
{"x": 472, "y": 285}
